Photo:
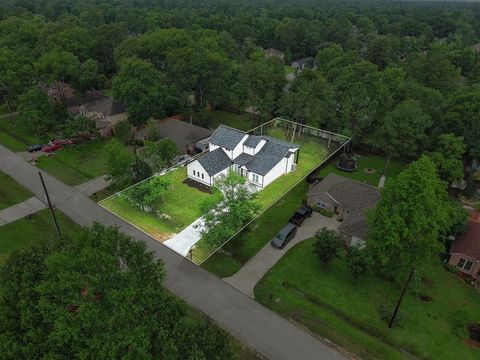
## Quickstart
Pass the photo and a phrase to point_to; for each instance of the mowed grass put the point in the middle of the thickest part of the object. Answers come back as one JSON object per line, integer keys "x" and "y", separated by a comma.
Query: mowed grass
{"x": 180, "y": 207}
{"x": 329, "y": 302}
{"x": 11, "y": 192}
{"x": 375, "y": 162}
{"x": 76, "y": 164}
{"x": 242, "y": 247}
{"x": 242, "y": 121}
{"x": 16, "y": 138}
{"x": 24, "y": 232}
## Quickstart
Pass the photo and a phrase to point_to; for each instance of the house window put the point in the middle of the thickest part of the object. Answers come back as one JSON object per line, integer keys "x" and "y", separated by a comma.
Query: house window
{"x": 256, "y": 178}
{"x": 464, "y": 264}
{"x": 194, "y": 173}
{"x": 321, "y": 204}
{"x": 202, "y": 176}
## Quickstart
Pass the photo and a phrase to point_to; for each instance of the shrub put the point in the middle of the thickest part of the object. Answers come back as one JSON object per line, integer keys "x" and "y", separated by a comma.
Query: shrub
{"x": 357, "y": 262}
{"x": 327, "y": 245}
{"x": 451, "y": 268}
{"x": 460, "y": 328}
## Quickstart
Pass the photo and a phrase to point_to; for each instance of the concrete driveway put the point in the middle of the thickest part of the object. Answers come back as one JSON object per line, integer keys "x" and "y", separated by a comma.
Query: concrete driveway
{"x": 253, "y": 271}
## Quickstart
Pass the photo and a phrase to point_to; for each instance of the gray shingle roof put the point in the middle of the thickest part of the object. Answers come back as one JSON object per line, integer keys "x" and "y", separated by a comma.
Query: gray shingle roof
{"x": 253, "y": 141}
{"x": 214, "y": 161}
{"x": 242, "y": 159}
{"x": 226, "y": 137}
{"x": 269, "y": 155}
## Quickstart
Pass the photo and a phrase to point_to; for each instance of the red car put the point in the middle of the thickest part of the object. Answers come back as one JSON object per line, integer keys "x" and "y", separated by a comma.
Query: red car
{"x": 62, "y": 142}
{"x": 51, "y": 148}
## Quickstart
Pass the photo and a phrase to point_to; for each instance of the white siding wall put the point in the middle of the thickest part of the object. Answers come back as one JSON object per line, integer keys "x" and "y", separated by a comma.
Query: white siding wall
{"x": 199, "y": 170}
{"x": 238, "y": 149}
{"x": 260, "y": 179}
{"x": 291, "y": 161}
{"x": 212, "y": 147}
{"x": 260, "y": 145}
{"x": 277, "y": 171}
{"x": 248, "y": 150}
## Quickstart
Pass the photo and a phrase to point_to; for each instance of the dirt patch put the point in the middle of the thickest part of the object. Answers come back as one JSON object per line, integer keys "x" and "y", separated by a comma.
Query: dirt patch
{"x": 197, "y": 185}
{"x": 425, "y": 298}
{"x": 474, "y": 332}
{"x": 370, "y": 170}
{"x": 427, "y": 281}
{"x": 161, "y": 237}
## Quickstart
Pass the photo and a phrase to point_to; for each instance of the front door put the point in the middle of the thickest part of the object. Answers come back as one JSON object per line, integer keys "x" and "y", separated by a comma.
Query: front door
{"x": 243, "y": 172}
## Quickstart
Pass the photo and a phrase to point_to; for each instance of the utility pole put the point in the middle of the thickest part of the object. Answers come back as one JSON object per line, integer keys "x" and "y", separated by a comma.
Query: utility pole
{"x": 52, "y": 212}
{"x": 392, "y": 320}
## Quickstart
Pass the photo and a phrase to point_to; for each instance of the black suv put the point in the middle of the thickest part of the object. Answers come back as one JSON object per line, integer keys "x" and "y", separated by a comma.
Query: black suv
{"x": 300, "y": 215}
{"x": 284, "y": 236}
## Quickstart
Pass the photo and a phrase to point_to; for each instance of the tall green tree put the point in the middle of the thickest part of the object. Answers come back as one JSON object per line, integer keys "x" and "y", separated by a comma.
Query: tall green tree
{"x": 327, "y": 245}
{"x": 237, "y": 206}
{"x": 448, "y": 157}
{"x": 405, "y": 227}
{"x": 159, "y": 153}
{"x": 403, "y": 132}
{"x": 98, "y": 295}
{"x": 37, "y": 113}
{"x": 119, "y": 162}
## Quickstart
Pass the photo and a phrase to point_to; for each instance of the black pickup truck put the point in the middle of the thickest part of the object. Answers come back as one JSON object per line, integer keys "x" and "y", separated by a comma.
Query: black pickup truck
{"x": 300, "y": 215}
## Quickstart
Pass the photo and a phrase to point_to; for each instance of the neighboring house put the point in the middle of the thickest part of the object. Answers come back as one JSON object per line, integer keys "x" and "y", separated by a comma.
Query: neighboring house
{"x": 349, "y": 200}
{"x": 274, "y": 53}
{"x": 465, "y": 249}
{"x": 62, "y": 92}
{"x": 188, "y": 137}
{"x": 260, "y": 159}
{"x": 105, "y": 111}
{"x": 476, "y": 48}
{"x": 301, "y": 64}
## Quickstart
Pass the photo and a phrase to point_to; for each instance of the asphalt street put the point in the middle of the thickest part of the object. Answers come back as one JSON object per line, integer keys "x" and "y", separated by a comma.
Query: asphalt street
{"x": 258, "y": 327}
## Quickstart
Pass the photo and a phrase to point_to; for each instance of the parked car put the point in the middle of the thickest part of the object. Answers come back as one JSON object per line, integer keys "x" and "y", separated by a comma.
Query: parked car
{"x": 51, "y": 148}
{"x": 300, "y": 215}
{"x": 62, "y": 142}
{"x": 34, "y": 148}
{"x": 284, "y": 236}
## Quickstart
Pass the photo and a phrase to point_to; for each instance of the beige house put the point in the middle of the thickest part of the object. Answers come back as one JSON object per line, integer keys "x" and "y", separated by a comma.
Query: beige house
{"x": 106, "y": 112}
{"x": 349, "y": 200}
{"x": 274, "y": 53}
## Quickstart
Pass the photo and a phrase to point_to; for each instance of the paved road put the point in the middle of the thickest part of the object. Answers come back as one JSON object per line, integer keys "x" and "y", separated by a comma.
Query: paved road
{"x": 247, "y": 320}
{"x": 254, "y": 270}
{"x": 19, "y": 211}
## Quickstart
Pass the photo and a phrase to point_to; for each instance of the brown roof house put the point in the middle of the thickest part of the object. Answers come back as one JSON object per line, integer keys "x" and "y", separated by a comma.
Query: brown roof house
{"x": 105, "y": 111}
{"x": 465, "y": 250}
{"x": 188, "y": 137}
{"x": 349, "y": 200}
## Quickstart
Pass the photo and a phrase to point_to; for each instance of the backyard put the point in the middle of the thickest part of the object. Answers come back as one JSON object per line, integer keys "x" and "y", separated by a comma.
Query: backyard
{"x": 11, "y": 192}
{"x": 76, "y": 164}
{"x": 330, "y": 303}
{"x": 24, "y": 232}
{"x": 242, "y": 121}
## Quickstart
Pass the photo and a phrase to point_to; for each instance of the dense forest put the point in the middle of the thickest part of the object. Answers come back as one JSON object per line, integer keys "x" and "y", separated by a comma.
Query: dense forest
{"x": 403, "y": 77}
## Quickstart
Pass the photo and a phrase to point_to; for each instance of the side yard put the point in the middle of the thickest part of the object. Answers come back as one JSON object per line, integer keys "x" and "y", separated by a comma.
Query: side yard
{"x": 76, "y": 164}
{"x": 180, "y": 207}
{"x": 11, "y": 192}
{"x": 15, "y": 138}
{"x": 330, "y": 303}
{"x": 27, "y": 231}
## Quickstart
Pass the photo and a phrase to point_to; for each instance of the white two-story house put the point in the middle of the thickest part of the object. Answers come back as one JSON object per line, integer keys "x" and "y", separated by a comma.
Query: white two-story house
{"x": 260, "y": 159}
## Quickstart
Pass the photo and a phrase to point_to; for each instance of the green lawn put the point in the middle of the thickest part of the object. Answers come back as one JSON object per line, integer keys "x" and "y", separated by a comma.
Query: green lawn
{"x": 375, "y": 162}
{"x": 16, "y": 138}
{"x": 288, "y": 69}
{"x": 242, "y": 121}
{"x": 11, "y": 192}
{"x": 228, "y": 260}
{"x": 180, "y": 208}
{"x": 21, "y": 233}
{"x": 76, "y": 164}
{"x": 245, "y": 245}
{"x": 331, "y": 304}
